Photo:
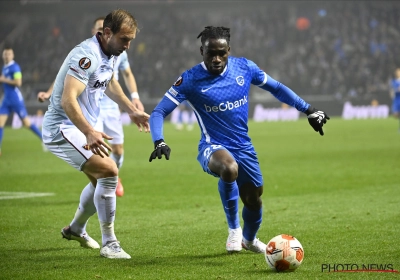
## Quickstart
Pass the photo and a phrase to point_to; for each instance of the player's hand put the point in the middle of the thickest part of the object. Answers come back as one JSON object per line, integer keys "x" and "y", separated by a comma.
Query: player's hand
{"x": 317, "y": 119}
{"x": 138, "y": 104}
{"x": 160, "y": 148}
{"x": 96, "y": 144}
{"x": 43, "y": 96}
{"x": 141, "y": 119}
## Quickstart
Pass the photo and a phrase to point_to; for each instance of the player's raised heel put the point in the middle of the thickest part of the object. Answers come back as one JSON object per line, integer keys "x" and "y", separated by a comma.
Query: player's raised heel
{"x": 112, "y": 250}
{"x": 234, "y": 242}
{"x": 84, "y": 239}
{"x": 255, "y": 246}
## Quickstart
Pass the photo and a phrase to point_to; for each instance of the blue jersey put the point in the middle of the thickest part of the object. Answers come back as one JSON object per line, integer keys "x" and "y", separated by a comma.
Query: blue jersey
{"x": 396, "y": 86}
{"x": 13, "y": 100}
{"x": 12, "y": 71}
{"x": 221, "y": 102}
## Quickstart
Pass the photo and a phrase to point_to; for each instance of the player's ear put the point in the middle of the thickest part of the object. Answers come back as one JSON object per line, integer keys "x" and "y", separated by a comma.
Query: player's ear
{"x": 201, "y": 50}
{"x": 229, "y": 50}
{"x": 107, "y": 32}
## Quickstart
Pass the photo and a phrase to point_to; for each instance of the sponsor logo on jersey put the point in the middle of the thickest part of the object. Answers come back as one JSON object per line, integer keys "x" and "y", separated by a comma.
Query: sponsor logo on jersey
{"x": 85, "y": 63}
{"x": 98, "y": 84}
{"x": 228, "y": 105}
{"x": 178, "y": 82}
{"x": 240, "y": 80}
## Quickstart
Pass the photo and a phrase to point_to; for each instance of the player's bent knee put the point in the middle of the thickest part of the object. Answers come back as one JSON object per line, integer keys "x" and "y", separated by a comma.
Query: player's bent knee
{"x": 98, "y": 167}
{"x": 229, "y": 171}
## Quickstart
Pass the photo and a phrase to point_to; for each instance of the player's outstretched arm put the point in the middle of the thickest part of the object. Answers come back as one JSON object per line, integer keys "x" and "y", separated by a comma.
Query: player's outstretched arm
{"x": 130, "y": 83}
{"x": 317, "y": 119}
{"x": 45, "y": 95}
{"x": 160, "y": 148}
{"x": 140, "y": 118}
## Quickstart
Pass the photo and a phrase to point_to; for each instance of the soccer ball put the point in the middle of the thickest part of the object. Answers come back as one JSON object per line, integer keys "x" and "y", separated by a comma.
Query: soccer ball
{"x": 284, "y": 253}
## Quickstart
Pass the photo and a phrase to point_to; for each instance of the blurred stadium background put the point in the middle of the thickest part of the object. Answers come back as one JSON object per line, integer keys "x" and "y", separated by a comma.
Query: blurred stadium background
{"x": 329, "y": 52}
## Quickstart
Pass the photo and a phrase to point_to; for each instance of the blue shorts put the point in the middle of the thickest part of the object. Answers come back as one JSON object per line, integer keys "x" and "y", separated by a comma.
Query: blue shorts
{"x": 249, "y": 167}
{"x": 396, "y": 104}
{"x": 7, "y": 107}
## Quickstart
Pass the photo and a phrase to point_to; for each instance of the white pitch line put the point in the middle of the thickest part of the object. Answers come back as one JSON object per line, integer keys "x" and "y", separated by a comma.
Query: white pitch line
{"x": 17, "y": 195}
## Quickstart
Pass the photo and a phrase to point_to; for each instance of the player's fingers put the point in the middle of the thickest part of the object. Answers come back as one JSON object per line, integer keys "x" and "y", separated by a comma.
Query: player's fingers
{"x": 321, "y": 132}
{"x": 139, "y": 127}
{"x": 146, "y": 127}
{"x": 167, "y": 155}
{"x": 159, "y": 153}
{"x": 326, "y": 116}
{"x": 103, "y": 150}
{"x": 95, "y": 151}
{"x": 105, "y": 136}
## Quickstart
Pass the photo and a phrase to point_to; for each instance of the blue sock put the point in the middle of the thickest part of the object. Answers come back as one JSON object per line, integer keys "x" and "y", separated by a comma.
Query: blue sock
{"x": 229, "y": 193}
{"x": 252, "y": 221}
{"x": 1, "y": 135}
{"x": 36, "y": 130}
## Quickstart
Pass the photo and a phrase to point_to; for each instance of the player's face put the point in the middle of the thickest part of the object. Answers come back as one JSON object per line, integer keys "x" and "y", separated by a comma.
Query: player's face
{"x": 98, "y": 27}
{"x": 8, "y": 55}
{"x": 120, "y": 41}
{"x": 215, "y": 54}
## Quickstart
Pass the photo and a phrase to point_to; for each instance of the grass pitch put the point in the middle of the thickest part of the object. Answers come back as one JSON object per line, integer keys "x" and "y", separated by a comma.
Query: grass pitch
{"x": 338, "y": 194}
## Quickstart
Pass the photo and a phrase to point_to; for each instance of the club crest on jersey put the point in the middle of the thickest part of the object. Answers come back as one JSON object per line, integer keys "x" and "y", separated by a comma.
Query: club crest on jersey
{"x": 178, "y": 82}
{"x": 85, "y": 63}
{"x": 240, "y": 80}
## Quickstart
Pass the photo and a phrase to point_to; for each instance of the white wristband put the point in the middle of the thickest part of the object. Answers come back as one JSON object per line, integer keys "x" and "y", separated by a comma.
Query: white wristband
{"x": 135, "y": 95}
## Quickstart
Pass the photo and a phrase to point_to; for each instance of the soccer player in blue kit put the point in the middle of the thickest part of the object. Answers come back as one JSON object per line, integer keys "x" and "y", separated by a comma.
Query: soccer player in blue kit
{"x": 11, "y": 78}
{"x": 218, "y": 91}
{"x": 395, "y": 93}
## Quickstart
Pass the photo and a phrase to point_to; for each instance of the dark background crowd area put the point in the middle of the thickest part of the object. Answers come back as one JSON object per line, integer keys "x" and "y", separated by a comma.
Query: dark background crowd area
{"x": 341, "y": 49}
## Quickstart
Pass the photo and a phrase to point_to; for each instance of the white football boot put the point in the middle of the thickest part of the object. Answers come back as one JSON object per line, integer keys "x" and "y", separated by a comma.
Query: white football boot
{"x": 234, "y": 242}
{"x": 84, "y": 239}
{"x": 255, "y": 246}
{"x": 112, "y": 250}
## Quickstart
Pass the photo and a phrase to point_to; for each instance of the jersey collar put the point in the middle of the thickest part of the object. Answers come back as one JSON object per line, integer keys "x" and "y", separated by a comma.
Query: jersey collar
{"x": 98, "y": 34}
{"x": 8, "y": 64}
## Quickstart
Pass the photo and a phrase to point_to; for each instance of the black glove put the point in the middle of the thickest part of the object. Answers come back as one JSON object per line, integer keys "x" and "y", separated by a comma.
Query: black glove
{"x": 160, "y": 148}
{"x": 317, "y": 119}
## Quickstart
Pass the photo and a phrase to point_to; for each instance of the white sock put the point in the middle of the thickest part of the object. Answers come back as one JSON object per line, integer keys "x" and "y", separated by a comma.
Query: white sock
{"x": 85, "y": 210}
{"x": 119, "y": 159}
{"x": 106, "y": 204}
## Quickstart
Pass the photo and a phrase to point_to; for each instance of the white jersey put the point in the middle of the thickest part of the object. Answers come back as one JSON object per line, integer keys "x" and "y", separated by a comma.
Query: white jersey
{"x": 122, "y": 63}
{"x": 87, "y": 63}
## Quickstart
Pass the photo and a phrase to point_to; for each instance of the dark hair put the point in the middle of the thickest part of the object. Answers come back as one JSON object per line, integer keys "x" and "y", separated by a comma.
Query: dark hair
{"x": 212, "y": 32}
{"x": 116, "y": 18}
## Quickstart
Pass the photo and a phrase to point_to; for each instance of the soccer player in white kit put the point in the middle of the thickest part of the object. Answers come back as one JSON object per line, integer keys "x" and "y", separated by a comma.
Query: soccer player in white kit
{"x": 68, "y": 126}
{"x": 109, "y": 120}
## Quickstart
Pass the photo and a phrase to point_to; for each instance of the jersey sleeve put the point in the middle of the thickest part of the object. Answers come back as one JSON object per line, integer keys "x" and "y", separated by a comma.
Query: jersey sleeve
{"x": 178, "y": 91}
{"x": 175, "y": 95}
{"x": 17, "y": 74}
{"x": 277, "y": 89}
{"x": 258, "y": 76}
{"x": 82, "y": 64}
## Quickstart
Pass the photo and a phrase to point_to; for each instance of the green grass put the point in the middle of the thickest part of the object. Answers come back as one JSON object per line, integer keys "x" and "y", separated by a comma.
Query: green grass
{"x": 338, "y": 194}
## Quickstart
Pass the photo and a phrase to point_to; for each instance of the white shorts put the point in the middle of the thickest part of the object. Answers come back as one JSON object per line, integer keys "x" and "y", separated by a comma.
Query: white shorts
{"x": 68, "y": 145}
{"x": 109, "y": 122}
